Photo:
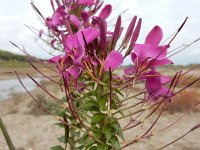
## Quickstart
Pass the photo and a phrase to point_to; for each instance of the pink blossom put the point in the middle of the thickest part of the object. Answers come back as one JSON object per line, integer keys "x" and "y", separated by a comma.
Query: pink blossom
{"x": 113, "y": 60}
{"x": 151, "y": 51}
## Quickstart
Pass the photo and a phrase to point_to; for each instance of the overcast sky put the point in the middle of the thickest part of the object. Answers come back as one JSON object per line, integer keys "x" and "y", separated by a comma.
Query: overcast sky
{"x": 168, "y": 14}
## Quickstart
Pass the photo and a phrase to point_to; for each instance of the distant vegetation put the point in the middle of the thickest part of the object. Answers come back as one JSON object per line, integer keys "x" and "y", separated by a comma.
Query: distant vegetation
{"x": 8, "y": 59}
{"x": 11, "y": 60}
{"x": 8, "y": 56}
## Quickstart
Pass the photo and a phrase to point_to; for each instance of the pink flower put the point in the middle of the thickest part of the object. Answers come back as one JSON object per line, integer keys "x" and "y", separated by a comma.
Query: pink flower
{"x": 153, "y": 82}
{"x": 58, "y": 16}
{"x": 84, "y": 35}
{"x": 155, "y": 85}
{"x": 113, "y": 60}
{"x": 150, "y": 51}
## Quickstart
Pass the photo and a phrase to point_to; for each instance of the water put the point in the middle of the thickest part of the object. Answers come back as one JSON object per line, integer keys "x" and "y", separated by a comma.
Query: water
{"x": 13, "y": 86}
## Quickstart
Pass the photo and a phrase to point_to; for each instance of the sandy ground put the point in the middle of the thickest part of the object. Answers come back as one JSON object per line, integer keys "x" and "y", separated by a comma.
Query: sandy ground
{"x": 38, "y": 132}
{"x": 30, "y": 132}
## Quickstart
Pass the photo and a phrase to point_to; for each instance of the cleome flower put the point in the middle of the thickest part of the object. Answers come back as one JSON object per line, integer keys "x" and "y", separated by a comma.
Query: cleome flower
{"x": 155, "y": 85}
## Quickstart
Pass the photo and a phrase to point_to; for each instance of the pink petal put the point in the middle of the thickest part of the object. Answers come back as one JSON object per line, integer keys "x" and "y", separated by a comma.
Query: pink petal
{"x": 69, "y": 43}
{"x": 116, "y": 77}
{"x": 106, "y": 11}
{"x": 158, "y": 52}
{"x": 58, "y": 16}
{"x": 74, "y": 19}
{"x": 74, "y": 71}
{"x": 133, "y": 57}
{"x": 129, "y": 71}
{"x": 55, "y": 59}
{"x": 144, "y": 51}
{"x": 161, "y": 62}
{"x": 85, "y": 2}
{"x": 155, "y": 36}
{"x": 85, "y": 16}
{"x": 79, "y": 54}
{"x": 153, "y": 82}
{"x": 90, "y": 34}
{"x": 165, "y": 79}
{"x": 113, "y": 60}
{"x": 164, "y": 92}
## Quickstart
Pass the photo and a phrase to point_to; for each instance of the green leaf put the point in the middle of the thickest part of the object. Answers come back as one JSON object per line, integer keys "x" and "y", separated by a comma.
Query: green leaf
{"x": 102, "y": 103}
{"x": 102, "y": 147}
{"x": 89, "y": 106}
{"x": 107, "y": 131}
{"x": 97, "y": 133}
{"x": 57, "y": 147}
{"x": 89, "y": 141}
{"x": 80, "y": 147}
{"x": 93, "y": 148}
{"x": 97, "y": 118}
{"x": 118, "y": 91}
{"x": 61, "y": 139}
{"x": 77, "y": 134}
{"x": 115, "y": 143}
{"x": 83, "y": 139}
{"x": 60, "y": 125}
{"x": 115, "y": 124}
{"x": 60, "y": 113}
{"x": 64, "y": 99}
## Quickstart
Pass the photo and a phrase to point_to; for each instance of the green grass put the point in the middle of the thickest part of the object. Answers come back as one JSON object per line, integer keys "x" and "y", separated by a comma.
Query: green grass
{"x": 13, "y": 64}
{"x": 9, "y": 60}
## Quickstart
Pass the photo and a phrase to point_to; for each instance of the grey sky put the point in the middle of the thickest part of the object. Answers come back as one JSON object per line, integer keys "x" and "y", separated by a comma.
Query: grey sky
{"x": 168, "y": 14}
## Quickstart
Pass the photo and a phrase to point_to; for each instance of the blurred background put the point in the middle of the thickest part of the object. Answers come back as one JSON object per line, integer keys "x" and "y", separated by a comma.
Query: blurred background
{"x": 168, "y": 14}
{"x": 26, "y": 121}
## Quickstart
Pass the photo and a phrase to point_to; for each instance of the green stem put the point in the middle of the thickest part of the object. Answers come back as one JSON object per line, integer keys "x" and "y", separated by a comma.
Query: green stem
{"x": 72, "y": 145}
{"x": 6, "y": 135}
{"x": 66, "y": 132}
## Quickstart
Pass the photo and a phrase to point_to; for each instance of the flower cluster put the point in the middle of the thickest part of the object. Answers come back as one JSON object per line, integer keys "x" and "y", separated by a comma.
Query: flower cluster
{"x": 96, "y": 97}
{"x": 84, "y": 38}
{"x": 87, "y": 45}
{"x": 146, "y": 58}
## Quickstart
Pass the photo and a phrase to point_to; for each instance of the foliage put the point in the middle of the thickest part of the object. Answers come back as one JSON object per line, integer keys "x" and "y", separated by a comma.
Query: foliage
{"x": 95, "y": 98}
